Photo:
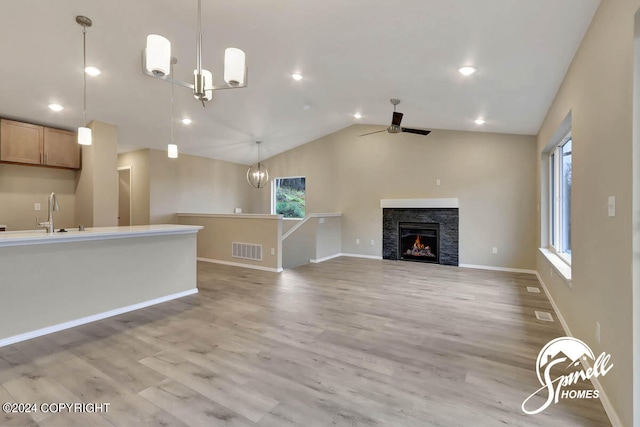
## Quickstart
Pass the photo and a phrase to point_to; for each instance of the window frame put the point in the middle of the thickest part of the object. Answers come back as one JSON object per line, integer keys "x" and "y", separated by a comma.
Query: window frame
{"x": 556, "y": 198}
{"x": 273, "y": 195}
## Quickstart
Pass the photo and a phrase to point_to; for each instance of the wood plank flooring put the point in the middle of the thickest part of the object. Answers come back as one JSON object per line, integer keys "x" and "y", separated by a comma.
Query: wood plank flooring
{"x": 349, "y": 342}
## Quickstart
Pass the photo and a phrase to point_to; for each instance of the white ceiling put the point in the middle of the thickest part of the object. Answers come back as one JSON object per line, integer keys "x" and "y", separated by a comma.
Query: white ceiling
{"x": 355, "y": 55}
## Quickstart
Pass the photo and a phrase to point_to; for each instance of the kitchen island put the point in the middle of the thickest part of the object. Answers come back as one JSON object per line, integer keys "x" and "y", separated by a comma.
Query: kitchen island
{"x": 50, "y": 282}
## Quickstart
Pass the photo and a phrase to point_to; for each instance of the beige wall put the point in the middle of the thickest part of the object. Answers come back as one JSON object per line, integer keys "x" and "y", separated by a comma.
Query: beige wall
{"x": 23, "y": 186}
{"x": 299, "y": 247}
{"x": 194, "y": 184}
{"x": 597, "y": 90}
{"x": 493, "y": 175}
{"x": 329, "y": 237}
{"x": 97, "y": 187}
{"x": 215, "y": 240}
{"x": 139, "y": 163}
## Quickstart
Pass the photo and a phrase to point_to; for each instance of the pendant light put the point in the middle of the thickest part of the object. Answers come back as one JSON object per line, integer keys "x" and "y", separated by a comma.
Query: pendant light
{"x": 172, "y": 149}
{"x": 157, "y": 56}
{"x": 257, "y": 174}
{"x": 84, "y": 133}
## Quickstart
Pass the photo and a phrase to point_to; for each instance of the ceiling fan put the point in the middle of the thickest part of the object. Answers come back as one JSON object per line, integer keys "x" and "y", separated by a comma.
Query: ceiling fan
{"x": 395, "y": 124}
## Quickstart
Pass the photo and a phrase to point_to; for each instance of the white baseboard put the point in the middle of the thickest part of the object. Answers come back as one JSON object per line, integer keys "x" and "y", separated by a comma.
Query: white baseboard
{"x": 361, "y": 256}
{"x": 606, "y": 403}
{"x": 327, "y": 258}
{"x": 73, "y": 323}
{"x": 239, "y": 264}
{"x": 488, "y": 267}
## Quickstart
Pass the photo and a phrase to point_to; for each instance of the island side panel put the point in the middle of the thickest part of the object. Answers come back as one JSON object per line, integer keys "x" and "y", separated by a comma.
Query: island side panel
{"x": 46, "y": 285}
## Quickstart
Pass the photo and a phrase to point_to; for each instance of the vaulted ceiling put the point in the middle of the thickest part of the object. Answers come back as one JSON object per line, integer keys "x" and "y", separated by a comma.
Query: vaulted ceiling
{"x": 354, "y": 55}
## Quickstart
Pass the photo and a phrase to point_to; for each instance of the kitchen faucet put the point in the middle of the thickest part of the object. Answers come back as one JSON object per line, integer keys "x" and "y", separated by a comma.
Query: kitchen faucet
{"x": 53, "y": 206}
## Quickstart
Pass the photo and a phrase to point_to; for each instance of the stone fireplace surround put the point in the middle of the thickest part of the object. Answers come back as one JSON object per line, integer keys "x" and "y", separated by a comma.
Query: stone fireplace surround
{"x": 442, "y": 211}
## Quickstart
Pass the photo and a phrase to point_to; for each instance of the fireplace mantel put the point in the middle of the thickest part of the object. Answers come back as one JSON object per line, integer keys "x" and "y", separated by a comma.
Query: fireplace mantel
{"x": 419, "y": 203}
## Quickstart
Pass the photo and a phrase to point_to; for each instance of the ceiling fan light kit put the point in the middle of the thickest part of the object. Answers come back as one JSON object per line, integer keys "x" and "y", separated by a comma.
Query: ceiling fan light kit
{"x": 156, "y": 62}
{"x": 396, "y": 120}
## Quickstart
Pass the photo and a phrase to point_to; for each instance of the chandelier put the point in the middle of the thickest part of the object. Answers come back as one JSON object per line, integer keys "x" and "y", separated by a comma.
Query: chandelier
{"x": 156, "y": 62}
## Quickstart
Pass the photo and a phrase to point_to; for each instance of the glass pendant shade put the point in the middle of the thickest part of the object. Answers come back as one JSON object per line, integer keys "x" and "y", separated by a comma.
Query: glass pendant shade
{"x": 172, "y": 151}
{"x": 203, "y": 85}
{"x": 234, "y": 67}
{"x": 258, "y": 175}
{"x": 84, "y": 136}
{"x": 158, "y": 55}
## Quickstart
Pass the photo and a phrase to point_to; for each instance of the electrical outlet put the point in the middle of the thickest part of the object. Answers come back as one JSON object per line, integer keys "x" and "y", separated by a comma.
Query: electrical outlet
{"x": 598, "y": 332}
{"x": 273, "y": 251}
{"x": 36, "y": 207}
{"x": 438, "y": 181}
{"x": 372, "y": 242}
{"x": 494, "y": 250}
{"x": 357, "y": 241}
{"x": 321, "y": 221}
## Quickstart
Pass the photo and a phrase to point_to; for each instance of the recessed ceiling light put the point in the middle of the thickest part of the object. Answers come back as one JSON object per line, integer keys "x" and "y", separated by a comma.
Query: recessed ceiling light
{"x": 56, "y": 107}
{"x": 467, "y": 70}
{"x": 186, "y": 121}
{"x": 306, "y": 107}
{"x": 479, "y": 121}
{"x": 357, "y": 115}
{"x": 296, "y": 76}
{"x": 92, "y": 71}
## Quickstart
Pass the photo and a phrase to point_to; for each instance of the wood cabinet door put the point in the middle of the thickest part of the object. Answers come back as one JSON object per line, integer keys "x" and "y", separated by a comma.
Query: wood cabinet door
{"x": 21, "y": 142}
{"x": 61, "y": 149}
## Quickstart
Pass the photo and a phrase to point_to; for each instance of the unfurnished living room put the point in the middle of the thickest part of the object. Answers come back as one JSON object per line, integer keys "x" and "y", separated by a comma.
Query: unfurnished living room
{"x": 297, "y": 213}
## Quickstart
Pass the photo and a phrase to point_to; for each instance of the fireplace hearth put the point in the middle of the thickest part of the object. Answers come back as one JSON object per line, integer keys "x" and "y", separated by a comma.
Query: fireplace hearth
{"x": 419, "y": 242}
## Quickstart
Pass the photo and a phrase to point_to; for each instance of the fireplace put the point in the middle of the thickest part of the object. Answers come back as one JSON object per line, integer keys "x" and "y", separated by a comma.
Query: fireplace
{"x": 423, "y": 213}
{"x": 419, "y": 242}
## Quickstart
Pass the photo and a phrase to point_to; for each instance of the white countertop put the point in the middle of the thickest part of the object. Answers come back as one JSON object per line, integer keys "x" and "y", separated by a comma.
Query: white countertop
{"x": 39, "y": 237}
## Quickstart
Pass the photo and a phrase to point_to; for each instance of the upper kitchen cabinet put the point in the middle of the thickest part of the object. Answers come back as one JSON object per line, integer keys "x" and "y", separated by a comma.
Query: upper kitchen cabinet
{"x": 21, "y": 142}
{"x": 30, "y": 144}
{"x": 61, "y": 149}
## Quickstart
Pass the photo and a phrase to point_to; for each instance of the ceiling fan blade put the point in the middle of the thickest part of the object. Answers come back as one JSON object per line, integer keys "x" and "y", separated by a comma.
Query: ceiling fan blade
{"x": 416, "y": 131}
{"x": 371, "y": 133}
{"x": 397, "y": 118}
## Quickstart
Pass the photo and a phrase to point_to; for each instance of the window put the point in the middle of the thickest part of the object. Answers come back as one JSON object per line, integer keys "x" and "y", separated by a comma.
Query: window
{"x": 560, "y": 203}
{"x": 288, "y": 196}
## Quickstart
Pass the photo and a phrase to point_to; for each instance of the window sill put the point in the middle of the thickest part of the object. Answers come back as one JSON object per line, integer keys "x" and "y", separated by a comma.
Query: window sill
{"x": 559, "y": 265}
{"x": 293, "y": 219}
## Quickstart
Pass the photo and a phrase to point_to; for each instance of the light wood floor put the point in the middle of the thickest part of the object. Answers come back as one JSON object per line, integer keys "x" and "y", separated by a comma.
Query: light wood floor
{"x": 349, "y": 342}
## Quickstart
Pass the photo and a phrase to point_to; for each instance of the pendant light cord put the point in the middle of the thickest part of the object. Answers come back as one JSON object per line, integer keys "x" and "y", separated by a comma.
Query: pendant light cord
{"x": 172, "y": 106}
{"x": 84, "y": 75}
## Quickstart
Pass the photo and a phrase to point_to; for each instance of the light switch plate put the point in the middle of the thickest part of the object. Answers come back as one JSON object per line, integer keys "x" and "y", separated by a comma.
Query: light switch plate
{"x": 612, "y": 206}
{"x": 36, "y": 207}
{"x": 321, "y": 220}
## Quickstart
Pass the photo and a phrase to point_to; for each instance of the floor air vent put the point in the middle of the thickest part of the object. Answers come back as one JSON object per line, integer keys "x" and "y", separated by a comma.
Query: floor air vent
{"x": 246, "y": 251}
{"x": 533, "y": 289}
{"x": 543, "y": 315}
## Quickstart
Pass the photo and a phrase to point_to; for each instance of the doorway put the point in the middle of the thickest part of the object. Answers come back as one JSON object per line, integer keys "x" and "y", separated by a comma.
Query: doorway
{"x": 125, "y": 212}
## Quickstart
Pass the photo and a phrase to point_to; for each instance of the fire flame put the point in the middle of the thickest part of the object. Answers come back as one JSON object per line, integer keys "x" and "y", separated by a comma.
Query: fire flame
{"x": 417, "y": 244}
